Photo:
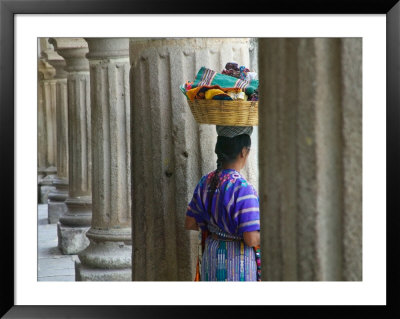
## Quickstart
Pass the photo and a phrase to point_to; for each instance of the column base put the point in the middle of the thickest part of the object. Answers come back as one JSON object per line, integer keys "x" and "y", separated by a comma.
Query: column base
{"x": 56, "y": 201}
{"x": 84, "y": 273}
{"x": 55, "y": 211}
{"x": 105, "y": 261}
{"x": 48, "y": 180}
{"x": 40, "y": 176}
{"x": 79, "y": 212}
{"x": 72, "y": 240}
{"x": 44, "y": 193}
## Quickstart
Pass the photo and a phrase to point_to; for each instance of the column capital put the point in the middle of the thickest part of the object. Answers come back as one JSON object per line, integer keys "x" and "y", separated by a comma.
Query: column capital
{"x": 44, "y": 45}
{"x": 107, "y": 48}
{"x": 46, "y": 70}
{"x": 73, "y": 50}
{"x": 57, "y": 61}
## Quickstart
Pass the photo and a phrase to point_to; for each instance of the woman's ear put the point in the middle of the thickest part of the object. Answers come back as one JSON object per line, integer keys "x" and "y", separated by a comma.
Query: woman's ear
{"x": 242, "y": 154}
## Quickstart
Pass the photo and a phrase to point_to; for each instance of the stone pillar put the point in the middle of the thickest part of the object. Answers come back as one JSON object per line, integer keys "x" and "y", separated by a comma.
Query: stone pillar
{"x": 310, "y": 159}
{"x": 108, "y": 257}
{"x": 170, "y": 151}
{"x": 58, "y": 196}
{"x": 254, "y": 54}
{"x": 44, "y": 72}
{"x": 74, "y": 224}
{"x": 46, "y": 124}
{"x": 41, "y": 124}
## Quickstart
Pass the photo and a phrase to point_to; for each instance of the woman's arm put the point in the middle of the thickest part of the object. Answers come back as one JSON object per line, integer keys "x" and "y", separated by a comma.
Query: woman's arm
{"x": 252, "y": 238}
{"x": 190, "y": 223}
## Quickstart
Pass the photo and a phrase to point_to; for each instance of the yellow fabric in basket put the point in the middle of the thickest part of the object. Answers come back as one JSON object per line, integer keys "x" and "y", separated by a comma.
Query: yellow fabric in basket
{"x": 212, "y": 92}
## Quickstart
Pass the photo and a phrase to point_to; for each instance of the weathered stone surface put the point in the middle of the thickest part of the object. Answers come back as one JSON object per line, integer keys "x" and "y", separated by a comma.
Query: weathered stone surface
{"x": 83, "y": 273}
{"x": 310, "y": 181}
{"x": 73, "y": 50}
{"x": 57, "y": 197}
{"x": 351, "y": 118}
{"x": 41, "y": 126}
{"x": 253, "y": 48}
{"x": 79, "y": 212}
{"x": 46, "y": 122}
{"x": 56, "y": 210}
{"x": 170, "y": 151}
{"x": 56, "y": 200}
{"x": 109, "y": 254}
{"x": 49, "y": 98}
{"x": 44, "y": 193}
{"x": 72, "y": 240}
{"x": 79, "y": 204}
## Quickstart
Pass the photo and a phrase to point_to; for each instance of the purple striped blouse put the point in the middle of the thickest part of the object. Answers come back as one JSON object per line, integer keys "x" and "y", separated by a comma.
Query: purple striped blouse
{"x": 234, "y": 206}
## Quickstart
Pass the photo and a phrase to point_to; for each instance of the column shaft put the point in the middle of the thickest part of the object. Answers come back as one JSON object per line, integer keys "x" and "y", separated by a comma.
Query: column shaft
{"x": 58, "y": 196}
{"x": 305, "y": 174}
{"x": 75, "y": 222}
{"x": 41, "y": 126}
{"x": 108, "y": 257}
{"x": 351, "y": 88}
{"x": 46, "y": 129}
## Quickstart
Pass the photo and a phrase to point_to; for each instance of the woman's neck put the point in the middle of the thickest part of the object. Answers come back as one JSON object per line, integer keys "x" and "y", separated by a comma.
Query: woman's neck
{"x": 236, "y": 166}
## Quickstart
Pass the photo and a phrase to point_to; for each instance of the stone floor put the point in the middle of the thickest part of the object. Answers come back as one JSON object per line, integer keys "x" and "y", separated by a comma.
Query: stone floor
{"x": 52, "y": 264}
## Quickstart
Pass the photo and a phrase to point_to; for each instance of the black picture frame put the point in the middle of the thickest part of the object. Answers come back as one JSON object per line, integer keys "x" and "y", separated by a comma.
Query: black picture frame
{"x": 9, "y": 8}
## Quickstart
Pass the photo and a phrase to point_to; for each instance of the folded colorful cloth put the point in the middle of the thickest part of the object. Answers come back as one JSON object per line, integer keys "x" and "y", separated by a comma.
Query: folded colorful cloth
{"x": 233, "y": 73}
{"x": 232, "y": 66}
{"x": 200, "y": 91}
{"x": 209, "y": 77}
{"x": 188, "y": 85}
{"x": 243, "y": 72}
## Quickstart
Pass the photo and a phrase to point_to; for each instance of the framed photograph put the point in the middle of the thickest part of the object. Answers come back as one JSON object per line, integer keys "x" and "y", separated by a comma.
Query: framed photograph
{"x": 344, "y": 57}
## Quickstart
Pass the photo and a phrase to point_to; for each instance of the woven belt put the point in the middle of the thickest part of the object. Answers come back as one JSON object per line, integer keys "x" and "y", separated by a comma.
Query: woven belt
{"x": 218, "y": 234}
{"x": 217, "y": 237}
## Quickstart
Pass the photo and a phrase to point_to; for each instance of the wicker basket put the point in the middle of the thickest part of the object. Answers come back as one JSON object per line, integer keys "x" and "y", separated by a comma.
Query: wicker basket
{"x": 229, "y": 113}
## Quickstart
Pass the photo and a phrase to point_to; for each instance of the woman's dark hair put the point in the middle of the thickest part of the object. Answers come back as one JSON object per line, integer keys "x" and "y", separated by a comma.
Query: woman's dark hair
{"x": 227, "y": 150}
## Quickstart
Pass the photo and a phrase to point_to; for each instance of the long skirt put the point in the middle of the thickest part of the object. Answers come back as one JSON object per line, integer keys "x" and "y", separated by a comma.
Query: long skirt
{"x": 228, "y": 261}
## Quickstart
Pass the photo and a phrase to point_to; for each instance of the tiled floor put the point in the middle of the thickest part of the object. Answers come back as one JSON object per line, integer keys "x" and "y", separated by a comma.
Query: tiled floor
{"x": 52, "y": 264}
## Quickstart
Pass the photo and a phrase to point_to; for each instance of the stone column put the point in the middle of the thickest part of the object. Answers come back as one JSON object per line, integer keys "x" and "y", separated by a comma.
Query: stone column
{"x": 58, "y": 196}
{"x": 74, "y": 224}
{"x": 254, "y": 54}
{"x": 46, "y": 124}
{"x": 41, "y": 124}
{"x": 108, "y": 257}
{"x": 170, "y": 151}
{"x": 45, "y": 71}
{"x": 310, "y": 159}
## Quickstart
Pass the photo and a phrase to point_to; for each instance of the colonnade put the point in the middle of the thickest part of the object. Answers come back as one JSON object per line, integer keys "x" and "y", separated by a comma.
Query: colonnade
{"x": 135, "y": 153}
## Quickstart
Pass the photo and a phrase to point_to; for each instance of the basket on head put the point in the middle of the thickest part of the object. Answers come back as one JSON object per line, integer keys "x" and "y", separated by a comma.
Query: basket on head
{"x": 225, "y": 112}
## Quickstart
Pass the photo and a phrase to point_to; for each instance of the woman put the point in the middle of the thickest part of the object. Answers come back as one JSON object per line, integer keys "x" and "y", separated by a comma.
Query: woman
{"x": 226, "y": 206}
